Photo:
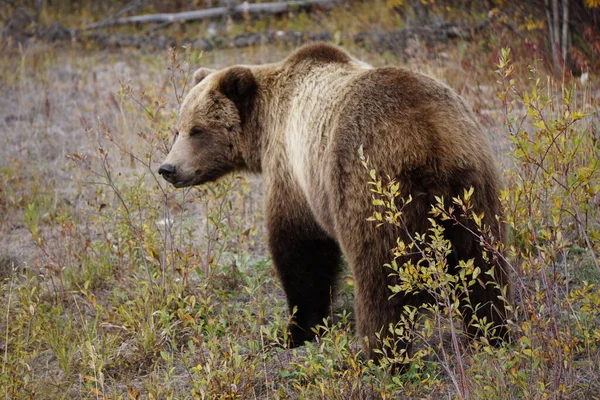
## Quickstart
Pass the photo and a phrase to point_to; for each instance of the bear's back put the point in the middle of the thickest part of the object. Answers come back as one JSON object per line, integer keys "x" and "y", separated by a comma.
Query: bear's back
{"x": 412, "y": 116}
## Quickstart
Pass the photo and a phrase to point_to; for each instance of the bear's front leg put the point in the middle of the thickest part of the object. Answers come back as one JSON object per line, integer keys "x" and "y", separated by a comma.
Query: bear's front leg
{"x": 307, "y": 262}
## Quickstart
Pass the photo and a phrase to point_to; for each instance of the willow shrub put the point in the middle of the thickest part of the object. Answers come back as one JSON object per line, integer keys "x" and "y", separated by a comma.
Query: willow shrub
{"x": 551, "y": 209}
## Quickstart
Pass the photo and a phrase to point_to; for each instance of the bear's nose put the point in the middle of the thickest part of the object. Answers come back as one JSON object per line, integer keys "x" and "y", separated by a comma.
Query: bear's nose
{"x": 166, "y": 170}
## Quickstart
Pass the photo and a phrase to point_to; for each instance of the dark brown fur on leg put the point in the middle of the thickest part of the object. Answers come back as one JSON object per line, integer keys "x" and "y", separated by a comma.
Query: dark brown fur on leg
{"x": 308, "y": 263}
{"x": 485, "y": 298}
{"x": 485, "y": 295}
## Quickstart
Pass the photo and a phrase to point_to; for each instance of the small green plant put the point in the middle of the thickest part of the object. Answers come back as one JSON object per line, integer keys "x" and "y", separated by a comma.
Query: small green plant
{"x": 550, "y": 206}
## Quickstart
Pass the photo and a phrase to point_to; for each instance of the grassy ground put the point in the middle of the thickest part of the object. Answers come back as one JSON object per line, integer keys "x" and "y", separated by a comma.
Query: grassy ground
{"x": 114, "y": 285}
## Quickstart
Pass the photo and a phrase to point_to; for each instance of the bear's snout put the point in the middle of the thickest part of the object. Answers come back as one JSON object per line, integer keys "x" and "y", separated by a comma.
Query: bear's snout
{"x": 167, "y": 171}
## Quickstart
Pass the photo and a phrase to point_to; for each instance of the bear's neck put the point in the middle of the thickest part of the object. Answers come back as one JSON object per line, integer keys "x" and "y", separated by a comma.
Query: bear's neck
{"x": 266, "y": 121}
{"x": 263, "y": 120}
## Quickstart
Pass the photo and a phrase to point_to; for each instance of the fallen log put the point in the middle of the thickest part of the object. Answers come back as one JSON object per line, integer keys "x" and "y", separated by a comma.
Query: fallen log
{"x": 394, "y": 40}
{"x": 278, "y": 7}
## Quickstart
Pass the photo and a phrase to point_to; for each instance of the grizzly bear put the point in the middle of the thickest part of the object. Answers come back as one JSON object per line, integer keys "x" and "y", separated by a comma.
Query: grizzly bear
{"x": 300, "y": 122}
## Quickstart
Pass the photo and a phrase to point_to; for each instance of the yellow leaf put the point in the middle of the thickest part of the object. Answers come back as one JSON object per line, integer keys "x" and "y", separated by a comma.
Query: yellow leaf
{"x": 592, "y": 3}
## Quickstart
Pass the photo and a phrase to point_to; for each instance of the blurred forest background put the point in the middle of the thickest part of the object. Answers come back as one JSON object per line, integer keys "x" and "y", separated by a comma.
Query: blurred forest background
{"x": 114, "y": 285}
{"x": 565, "y": 29}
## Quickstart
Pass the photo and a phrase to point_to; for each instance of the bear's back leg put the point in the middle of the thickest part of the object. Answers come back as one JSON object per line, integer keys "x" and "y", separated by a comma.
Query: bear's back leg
{"x": 485, "y": 296}
{"x": 375, "y": 307}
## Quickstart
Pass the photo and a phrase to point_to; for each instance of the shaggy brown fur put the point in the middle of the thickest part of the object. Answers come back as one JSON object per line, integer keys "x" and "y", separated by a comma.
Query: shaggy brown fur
{"x": 301, "y": 122}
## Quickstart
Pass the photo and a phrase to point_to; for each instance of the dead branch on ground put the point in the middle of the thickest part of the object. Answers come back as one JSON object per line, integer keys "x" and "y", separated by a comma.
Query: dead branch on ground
{"x": 278, "y": 7}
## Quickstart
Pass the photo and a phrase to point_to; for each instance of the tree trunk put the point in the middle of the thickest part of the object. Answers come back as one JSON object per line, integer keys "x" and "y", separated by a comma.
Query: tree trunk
{"x": 551, "y": 32}
{"x": 565, "y": 30}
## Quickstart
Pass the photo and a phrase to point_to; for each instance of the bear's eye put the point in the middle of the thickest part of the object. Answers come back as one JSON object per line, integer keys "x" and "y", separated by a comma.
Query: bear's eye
{"x": 176, "y": 135}
{"x": 196, "y": 132}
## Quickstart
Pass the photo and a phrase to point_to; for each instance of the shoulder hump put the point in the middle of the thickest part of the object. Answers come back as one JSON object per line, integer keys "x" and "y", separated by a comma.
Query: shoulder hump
{"x": 319, "y": 52}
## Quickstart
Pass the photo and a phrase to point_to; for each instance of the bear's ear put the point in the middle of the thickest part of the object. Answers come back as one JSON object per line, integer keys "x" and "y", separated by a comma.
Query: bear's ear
{"x": 238, "y": 85}
{"x": 200, "y": 74}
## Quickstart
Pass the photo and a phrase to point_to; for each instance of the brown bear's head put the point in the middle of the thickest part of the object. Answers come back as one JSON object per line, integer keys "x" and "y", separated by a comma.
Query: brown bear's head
{"x": 210, "y": 129}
